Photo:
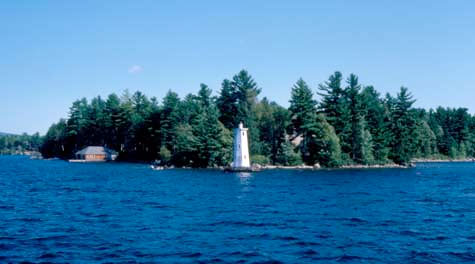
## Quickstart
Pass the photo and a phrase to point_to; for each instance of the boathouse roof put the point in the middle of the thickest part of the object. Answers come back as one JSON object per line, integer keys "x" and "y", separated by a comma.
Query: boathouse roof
{"x": 96, "y": 150}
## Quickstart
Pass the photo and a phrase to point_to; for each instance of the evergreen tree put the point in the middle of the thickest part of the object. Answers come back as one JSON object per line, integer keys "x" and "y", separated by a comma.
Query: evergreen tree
{"x": 169, "y": 120}
{"x": 335, "y": 106}
{"x": 280, "y": 123}
{"x": 272, "y": 122}
{"x": 265, "y": 125}
{"x": 360, "y": 141}
{"x": 287, "y": 156}
{"x": 78, "y": 120}
{"x": 227, "y": 104}
{"x": 321, "y": 144}
{"x": 354, "y": 125}
{"x": 426, "y": 140}
{"x": 246, "y": 94}
{"x": 404, "y": 125}
{"x": 112, "y": 122}
{"x": 302, "y": 113}
{"x": 212, "y": 144}
{"x": 185, "y": 146}
{"x": 53, "y": 143}
{"x": 378, "y": 125}
{"x": 302, "y": 108}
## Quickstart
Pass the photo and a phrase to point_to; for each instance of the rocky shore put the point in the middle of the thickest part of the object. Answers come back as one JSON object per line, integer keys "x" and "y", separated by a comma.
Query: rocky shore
{"x": 317, "y": 166}
{"x": 258, "y": 167}
{"x": 443, "y": 160}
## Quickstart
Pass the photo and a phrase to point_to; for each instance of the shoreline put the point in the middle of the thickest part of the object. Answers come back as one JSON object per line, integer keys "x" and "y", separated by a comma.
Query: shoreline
{"x": 354, "y": 166}
{"x": 442, "y": 160}
{"x": 298, "y": 167}
{"x": 317, "y": 167}
{"x": 280, "y": 167}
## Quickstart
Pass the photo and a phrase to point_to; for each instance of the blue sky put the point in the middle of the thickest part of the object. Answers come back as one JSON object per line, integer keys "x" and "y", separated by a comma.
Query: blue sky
{"x": 53, "y": 52}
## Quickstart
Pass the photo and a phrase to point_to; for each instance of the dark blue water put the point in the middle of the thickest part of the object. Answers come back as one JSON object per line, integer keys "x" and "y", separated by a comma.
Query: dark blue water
{"x": 54, "y": 211}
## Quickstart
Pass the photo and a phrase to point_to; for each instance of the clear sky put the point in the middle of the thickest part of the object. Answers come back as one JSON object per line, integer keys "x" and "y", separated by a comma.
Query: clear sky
{"x": 53, "y": 52}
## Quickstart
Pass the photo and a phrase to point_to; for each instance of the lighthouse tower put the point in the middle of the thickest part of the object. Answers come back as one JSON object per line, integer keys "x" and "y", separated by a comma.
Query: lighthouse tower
{"x": 241, "y": 160}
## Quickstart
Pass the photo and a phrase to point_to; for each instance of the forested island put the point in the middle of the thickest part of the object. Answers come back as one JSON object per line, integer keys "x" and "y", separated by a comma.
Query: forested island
{"x": 11, "y": 144}
{"x": 349, "y": 124}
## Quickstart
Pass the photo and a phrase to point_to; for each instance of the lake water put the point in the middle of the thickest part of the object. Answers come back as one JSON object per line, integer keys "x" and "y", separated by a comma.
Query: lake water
{"x": 54, "y": 211}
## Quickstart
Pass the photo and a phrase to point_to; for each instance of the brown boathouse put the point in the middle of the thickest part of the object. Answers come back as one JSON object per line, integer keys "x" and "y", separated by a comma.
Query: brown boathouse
{"x": 96, "y": 153}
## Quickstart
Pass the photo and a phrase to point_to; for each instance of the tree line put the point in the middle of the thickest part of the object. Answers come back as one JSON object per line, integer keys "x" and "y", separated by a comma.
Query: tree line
{"x": 18, "y": 144}
{"x": 349, "y": 124}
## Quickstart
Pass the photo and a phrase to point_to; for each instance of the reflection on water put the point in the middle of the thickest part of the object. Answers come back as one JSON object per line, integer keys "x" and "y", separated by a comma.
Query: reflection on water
{"x": 244, "y": 177}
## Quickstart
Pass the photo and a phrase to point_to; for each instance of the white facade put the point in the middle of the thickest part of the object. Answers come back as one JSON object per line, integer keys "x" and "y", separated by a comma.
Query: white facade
{"x": 240, "y": 148}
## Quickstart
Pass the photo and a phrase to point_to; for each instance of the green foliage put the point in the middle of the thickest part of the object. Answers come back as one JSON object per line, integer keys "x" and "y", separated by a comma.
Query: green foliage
{"x": 185, "y": 146}
{"x": 377, "y": 123}
{"x": 213, "y": 141}
{"x": 404, "y": 125}
{"x": 165, "y": 155}
{"x": 335, "y": 106}
{"x": 302, "y": 107}
{"x": 272, "y": 121}
{"x": 237, "y": 103}
{"x": 287, "y": 156}
{"x": 321, "y": 144}
{"x": 170, "y": 118}
{"x": 260, "y": 159}
{"x": 426, "y": 140}
{"x": 227, "y": 104}
{"x": 19, "y": 144}
{"x": 361, "y": 147}
{"x": 351, "y": 125}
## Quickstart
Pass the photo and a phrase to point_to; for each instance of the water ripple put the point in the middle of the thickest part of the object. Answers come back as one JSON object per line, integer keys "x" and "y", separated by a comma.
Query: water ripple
{"x": 57, "y": 212}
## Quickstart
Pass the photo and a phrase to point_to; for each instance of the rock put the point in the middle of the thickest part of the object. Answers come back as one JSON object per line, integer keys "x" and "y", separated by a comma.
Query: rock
{"x": 256, "y": 166}
{"x": 270, "y": 167}
{"x": 316, "y": 166}
{"x": 155, "y": 167}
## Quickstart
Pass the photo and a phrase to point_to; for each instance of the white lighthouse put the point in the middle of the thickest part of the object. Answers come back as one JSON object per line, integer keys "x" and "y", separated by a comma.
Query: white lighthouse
{"x": 241, "y": 160}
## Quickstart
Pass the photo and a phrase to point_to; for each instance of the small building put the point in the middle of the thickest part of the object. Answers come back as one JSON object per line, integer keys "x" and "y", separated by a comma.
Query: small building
{"x": 96, "y": 153}
{"x": 241, "y": 159}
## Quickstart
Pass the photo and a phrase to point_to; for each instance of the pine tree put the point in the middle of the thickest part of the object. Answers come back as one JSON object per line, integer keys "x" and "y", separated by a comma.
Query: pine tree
{"x": 470, "y": 142}
{"x": 353, "y": 126}
{"x": 76, "y": 127}
{"x": 185, "y": 146}
{"x": 54, "y": 140}
{"x": 169, "y": 119}
{"x": 302, "y": 107}
{"x": 112, "y": 122}
{"x": 265, "y": 124}
{"x": 212, "y": 145}
{"x": 280, "y": 123}
{"x": 377, "y": 121}
{"x": 287, "y": 156}
{"x": 426, "y": 140}
{"x": 246, "y": 93}
{"x": 361, "y": 145}
{"x": 335, "y": 106}
{"x": 227, "y": 104}
{"x": 321, "y": 144}
{"x": 367, "y": 147}
{"x": 404, "y": 126}
{"x": 95, "y": 125}
{"x": 272, "y": 121}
